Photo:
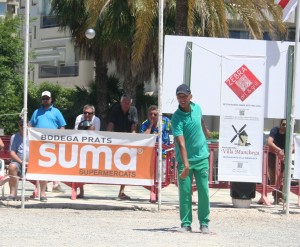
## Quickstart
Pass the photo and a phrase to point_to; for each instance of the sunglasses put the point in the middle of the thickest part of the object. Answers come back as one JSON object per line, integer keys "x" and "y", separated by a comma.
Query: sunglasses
{"x": 45, "y": 98}
{"x": 153, "y": 114}
{"x": 88, "y": 113}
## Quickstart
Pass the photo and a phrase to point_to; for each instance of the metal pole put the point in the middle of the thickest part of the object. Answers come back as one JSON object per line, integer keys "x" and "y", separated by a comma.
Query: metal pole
{"x": 188, "y": 63}
{"x": 160, "y": 90}
{"x": 26, "y": 48}
{"x": 292, "y": 122}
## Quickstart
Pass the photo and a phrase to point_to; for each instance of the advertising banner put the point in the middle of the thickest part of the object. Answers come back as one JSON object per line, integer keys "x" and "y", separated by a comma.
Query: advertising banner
{"x": 241, "y": 119}
{"x": 91, "y": 156}
{"x": 296, "y": 174}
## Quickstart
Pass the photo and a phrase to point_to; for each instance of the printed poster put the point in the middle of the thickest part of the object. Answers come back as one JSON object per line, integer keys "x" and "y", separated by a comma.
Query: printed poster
{"x": 296, "y": 174}
{"x": 242, "y": 119}
{"x": 91, "y": 157}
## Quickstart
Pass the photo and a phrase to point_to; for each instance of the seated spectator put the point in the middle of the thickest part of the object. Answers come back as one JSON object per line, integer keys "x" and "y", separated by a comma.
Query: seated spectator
{"x": 87, "y": 121}
{"x": 15, "y": 167}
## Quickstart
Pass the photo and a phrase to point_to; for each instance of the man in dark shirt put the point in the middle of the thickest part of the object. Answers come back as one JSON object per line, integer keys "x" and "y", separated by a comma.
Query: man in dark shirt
{"x": 123, "y": 118}
{"x": 276, "y": 142}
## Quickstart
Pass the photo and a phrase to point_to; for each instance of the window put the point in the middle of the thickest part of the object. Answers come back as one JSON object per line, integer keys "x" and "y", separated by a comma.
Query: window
{"x": 3, "y": 8}
{"x": 239, "y": 35}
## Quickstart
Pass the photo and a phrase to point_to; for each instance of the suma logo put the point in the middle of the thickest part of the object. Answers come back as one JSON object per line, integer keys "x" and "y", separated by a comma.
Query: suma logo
{"x": 123, "y": 158}
{"x": 243, "y": 82}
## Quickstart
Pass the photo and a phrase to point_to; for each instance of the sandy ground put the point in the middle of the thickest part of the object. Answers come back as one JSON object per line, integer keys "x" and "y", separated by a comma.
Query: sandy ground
{"x": 255, "y": 226}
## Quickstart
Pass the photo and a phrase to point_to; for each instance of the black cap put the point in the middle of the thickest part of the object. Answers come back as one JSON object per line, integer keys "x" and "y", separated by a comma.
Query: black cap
{"x": 183, "y": 89}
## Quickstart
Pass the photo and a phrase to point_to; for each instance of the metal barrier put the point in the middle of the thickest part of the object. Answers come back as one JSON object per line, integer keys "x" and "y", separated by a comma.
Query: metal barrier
{"x": 263, "y": 188}
{"x": 170, "y": 174}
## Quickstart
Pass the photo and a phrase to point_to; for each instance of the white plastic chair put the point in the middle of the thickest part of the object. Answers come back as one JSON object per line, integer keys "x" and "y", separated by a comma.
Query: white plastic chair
{"x": 2, "y": 174}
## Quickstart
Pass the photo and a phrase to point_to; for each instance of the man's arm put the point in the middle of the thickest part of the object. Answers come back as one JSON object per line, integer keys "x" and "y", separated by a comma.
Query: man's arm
{"x": 205, "y": 129}
{"x": 15, "y": 157}
{"x": 1, "y": 144}
{"x": 133, "y": 128}
{"x": 110, "y": 126}
{"x": 183, "y": 153}
{"x": 273, "y": 146}
{"x": 97, "y": 123}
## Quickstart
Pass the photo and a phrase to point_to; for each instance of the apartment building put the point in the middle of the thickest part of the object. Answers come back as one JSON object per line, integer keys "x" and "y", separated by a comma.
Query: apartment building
{"x": 8, "y": 7}
{"x": 54, "y": 57}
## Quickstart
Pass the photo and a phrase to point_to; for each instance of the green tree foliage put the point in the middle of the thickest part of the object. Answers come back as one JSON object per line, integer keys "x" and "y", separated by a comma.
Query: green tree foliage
{"x": 11, "y": 71}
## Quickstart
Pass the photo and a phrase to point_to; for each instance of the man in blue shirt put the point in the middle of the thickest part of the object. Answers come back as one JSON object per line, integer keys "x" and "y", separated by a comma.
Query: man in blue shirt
{"x": 47, "y": 117}
{"x": 150, "y": 126}
{"x": 16, "y": 154}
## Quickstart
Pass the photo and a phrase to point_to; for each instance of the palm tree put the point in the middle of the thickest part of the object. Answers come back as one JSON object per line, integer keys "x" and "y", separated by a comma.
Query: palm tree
{"x": 126, "y": 30}
{"x": 255, "y": 15}
{"x": 73, "y": 16}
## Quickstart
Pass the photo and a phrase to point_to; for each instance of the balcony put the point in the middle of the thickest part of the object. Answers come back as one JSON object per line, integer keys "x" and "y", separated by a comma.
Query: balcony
{"x": 51, "y": 71}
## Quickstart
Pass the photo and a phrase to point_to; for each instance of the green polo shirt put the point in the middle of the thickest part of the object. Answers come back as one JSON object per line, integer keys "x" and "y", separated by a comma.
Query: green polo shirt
{"x": 188, "y": 124}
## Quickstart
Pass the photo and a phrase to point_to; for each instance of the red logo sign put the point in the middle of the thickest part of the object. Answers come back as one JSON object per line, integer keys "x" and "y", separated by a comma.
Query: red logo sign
{"x": 243, "y": 82}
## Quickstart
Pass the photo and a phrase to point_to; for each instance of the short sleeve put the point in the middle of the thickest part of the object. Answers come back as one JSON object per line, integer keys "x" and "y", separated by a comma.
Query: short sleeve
{"x": 177, "y": 126}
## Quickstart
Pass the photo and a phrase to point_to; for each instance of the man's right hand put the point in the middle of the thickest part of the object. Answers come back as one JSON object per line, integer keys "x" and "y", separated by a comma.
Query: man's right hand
{"x": 185, "y": 172}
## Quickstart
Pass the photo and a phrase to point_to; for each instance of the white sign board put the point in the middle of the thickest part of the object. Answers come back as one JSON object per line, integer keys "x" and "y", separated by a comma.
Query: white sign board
{"x": 206, "y": 71}
{"x": 296, "y": 174}
{"x": 242, "y": 119}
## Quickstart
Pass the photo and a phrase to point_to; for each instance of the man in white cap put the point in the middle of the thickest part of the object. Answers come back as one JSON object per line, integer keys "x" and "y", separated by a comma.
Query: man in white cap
{"x": 48, "y": 117}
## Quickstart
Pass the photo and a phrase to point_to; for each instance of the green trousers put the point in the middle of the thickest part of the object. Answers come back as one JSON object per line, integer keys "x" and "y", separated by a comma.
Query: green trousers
{"x": 200, "y": 173}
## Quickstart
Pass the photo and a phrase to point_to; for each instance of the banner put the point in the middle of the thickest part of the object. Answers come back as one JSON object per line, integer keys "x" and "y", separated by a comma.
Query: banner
{"x": 91, "y": 156}
{"x": 241, "y": 119}
{"x": 296, "y": 174}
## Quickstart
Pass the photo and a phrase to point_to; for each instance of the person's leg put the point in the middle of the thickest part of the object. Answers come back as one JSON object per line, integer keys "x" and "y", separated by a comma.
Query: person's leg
{"x": 81, "y": 192}
{"x": 201, "y": 173}
{"x": 122, "y": 194}
{"x": 43, "y": 186}
{"x": 272, "y": 173}
{"x": 13, "y": 170}
{"x": 185, "y": 197}
{"x": 57, "y": 188}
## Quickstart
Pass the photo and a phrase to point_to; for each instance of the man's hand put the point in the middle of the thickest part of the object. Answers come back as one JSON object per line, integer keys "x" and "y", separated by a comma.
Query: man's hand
{"x": 185, "y": 172}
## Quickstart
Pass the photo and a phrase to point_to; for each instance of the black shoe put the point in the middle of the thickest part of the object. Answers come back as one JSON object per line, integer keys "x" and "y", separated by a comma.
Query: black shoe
{"x": 43, "y": 199}
{"x": 10, "y": 198}
{"x": 185, "y": 229}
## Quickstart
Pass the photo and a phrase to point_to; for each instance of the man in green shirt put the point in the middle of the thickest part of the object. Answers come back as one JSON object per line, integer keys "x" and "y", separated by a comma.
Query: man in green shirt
{"x": 192, "y": 155}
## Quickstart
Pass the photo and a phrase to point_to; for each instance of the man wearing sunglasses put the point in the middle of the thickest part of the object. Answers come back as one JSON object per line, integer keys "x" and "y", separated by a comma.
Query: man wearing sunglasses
{"x": 150, "y": 126}
{"x": 47, "y": 117}
{"x": 86, "y": 121}
{"x": 89, "y": 115}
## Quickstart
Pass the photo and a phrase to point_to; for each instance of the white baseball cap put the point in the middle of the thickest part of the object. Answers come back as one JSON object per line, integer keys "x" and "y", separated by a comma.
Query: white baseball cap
{"x": 46, "y": 93}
